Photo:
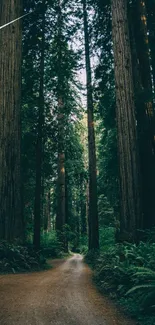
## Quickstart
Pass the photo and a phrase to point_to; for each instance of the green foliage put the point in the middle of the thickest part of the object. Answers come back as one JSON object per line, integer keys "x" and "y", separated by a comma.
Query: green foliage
{"x": 15, "y": 258}
{"x": 83, "y": 247}
{"x": 67, "y": 69}
{"x": 50, "y": 245}
{"x": 126, "y": 272}
{"x": 92, "y": 257}
{"x": 144, "y": 279}
{"x": 107, "y": 237}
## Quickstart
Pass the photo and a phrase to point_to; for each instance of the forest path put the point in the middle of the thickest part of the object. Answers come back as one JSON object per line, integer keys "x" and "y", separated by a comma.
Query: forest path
{"x": 63, "y": 295}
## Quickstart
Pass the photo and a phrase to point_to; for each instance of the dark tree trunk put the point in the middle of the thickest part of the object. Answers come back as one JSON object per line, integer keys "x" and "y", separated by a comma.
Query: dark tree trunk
{"x": 61, "y": 209}
{"x": 150, "y": 7}
{"x": 61, "y": 196}
{"x": 83, "y": 207}
{"x": 130, "y": 199}
{"x": 47, "y": 212}
{"x": 11, "y": 224}
{"x": 93, "y": 211}
{"x": 66, "y": 208}
{"x": 87, "y": 209}
{"x": 39, "y": 145}
{"x": 145, "y": 112}
{"x": 77, "y": 225}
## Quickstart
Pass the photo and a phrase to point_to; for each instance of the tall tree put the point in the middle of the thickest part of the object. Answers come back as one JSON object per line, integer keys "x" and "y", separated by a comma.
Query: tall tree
{"x": 105, "y": 107}
{"x": 10, "y": 93}
{"x": 145, "y": 111}
{"x": 39, "y": 143}
{"x": 93, "y": 211}
{"x": 61, "y": 209}
{"x": 150, "y": 7}
{"x": 126, "y": 124}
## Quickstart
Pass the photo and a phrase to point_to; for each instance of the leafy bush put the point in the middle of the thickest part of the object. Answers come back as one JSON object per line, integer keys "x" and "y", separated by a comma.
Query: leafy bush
{"x": 15, "y": 258}
{"x": 51, "y": 246}
{"x": 126, "y": 272}
{"x": 144, "y": 279}
{"x": 91, "y": 257}
{"x": 113, "y": 273}
{"x": 107, "y": 238}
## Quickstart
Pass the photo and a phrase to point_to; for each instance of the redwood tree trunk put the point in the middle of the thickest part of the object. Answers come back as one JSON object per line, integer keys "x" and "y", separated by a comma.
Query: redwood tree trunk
{"x": 150, "y": 7}
{"x": 130, "y": 199}
{"x": 93, "y": 211}
{"x": 61, "y": 197}
{"x": 83, "y": 199}
{"x": 47, "y": 212}
{"x": 39, "y": 144}
{"x": 11, "y": 226}
{"x": 61, "y": 209}
{"x": 145, "y": 113}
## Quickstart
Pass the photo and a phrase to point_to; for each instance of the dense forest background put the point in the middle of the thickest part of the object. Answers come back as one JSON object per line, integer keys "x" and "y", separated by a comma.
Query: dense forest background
{"x": 77, "y": 158}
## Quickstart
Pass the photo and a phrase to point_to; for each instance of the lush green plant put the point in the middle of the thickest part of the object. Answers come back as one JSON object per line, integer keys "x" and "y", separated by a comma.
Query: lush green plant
{"x": 50, "y": 245}
{"x": 91, "y": 257}
{"x": 144, "y": 279}
{"x": 15, "y": 258}
{"x": 126, "y": 272}
{"x": 107, "y": 237}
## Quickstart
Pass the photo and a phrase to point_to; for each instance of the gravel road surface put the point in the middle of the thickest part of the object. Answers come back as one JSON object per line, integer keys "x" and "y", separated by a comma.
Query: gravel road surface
{"x": 63, "y": 295}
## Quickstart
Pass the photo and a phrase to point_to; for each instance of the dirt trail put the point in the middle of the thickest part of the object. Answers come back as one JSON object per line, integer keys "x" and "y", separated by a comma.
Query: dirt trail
{"x": 63, "y": 295}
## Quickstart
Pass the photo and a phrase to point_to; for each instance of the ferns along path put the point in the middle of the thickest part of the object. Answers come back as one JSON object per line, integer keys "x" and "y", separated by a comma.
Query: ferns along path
{"x": 62, "y": 295}
{"x": 77, "y": 161}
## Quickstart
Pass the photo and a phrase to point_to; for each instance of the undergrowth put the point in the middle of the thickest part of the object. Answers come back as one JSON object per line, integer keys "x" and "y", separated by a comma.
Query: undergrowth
{"x": 126, "y": 272}
{"x": 51, "y": 247}
{"x": 15, "y": 258}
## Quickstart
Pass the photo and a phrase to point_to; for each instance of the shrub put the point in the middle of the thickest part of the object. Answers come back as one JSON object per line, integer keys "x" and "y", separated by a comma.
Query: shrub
{"x": 144, "y": 279}
{"x": 126, "y": 272}
{"x": 15, "y": 258}
{"x": 50, "y": 245}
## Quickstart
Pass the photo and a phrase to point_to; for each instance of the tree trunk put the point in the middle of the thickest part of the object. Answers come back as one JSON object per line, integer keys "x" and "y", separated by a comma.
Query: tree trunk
{"x": 47, "y": 213}
{"x": 130, "y": 199}
{"x": 11, "y": 225}
{"x": 60, "y": 219}
{"x": 83, "y": 206}
{"x": 39, "y": 144}
{"x": 150, "y": 7}
{"x": 77, "y": 224}
{"x": 61, "y": 197}
{"x": 93, "y": 211}
{"x": 145, "y": 113}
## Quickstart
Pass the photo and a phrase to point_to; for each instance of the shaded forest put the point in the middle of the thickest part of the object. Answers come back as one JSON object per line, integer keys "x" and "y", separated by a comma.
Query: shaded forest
{"x": 77, "y": 141}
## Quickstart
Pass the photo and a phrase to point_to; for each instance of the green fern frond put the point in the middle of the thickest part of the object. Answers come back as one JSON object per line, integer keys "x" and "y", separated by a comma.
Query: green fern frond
{"x": 140, "y": 287}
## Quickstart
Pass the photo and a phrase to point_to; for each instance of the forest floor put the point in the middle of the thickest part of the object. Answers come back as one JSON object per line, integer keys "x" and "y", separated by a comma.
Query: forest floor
{"x": 63, "y": 295}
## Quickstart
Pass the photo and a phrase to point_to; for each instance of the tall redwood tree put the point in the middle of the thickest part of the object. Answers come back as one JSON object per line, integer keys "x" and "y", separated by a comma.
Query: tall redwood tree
{"x": 130, "y": 202}
{"x": 10, "y": 93}
{"x": 93, "y": 211}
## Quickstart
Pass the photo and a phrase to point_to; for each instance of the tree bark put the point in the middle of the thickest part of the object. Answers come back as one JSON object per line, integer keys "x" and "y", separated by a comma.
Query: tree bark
{"x": 47, "y": 213}
{"x": 61, "y": 209}
{"x": 11, "y": 224}
{"x": 145, "y": 112}
{"x": 150, "y": 7}
{"x": 83, "y": 199}
{"x": 130, "y": 199}
{"x": 39, "y": 144}
{"x": 61, "y": 197}
{"x": 93, "y": 210}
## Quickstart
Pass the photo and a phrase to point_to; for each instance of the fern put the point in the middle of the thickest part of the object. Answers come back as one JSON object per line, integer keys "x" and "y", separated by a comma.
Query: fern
{"x": 146, "y": 287}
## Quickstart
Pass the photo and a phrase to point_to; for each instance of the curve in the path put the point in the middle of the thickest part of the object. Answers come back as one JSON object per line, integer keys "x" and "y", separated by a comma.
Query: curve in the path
{"x": 63, "y": 295}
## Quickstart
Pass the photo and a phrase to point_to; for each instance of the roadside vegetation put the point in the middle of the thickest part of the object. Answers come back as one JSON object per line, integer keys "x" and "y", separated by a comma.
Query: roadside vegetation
{"x": 77, "y": 141}
{"x": 126, "y": 273}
